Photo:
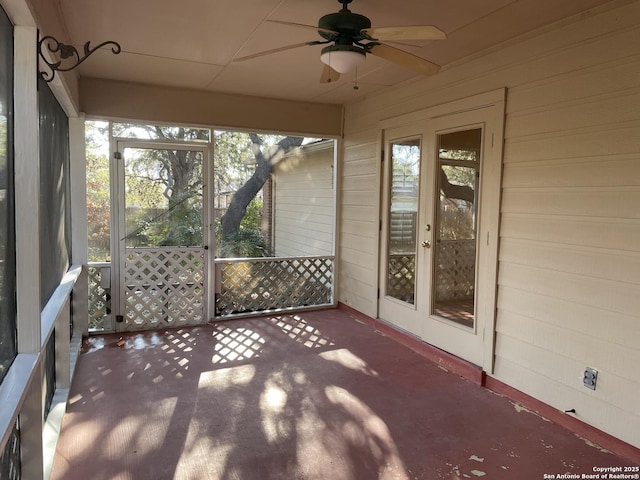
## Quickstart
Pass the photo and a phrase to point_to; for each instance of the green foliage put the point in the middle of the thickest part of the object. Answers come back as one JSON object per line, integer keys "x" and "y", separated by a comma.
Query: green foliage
{"x": 182, "y": 227}
{"x": 143, "y": 193}
{"x": 246, "y": 242}
{"x": 253, "y": 217}
{"x": 234, "y": 162}
{"x": 163, "y": 197}
{"x": 98, "y": 194}
{"x": 176, "y": 223}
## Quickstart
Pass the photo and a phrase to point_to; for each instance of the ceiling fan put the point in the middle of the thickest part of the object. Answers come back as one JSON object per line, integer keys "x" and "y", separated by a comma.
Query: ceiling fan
{"x": 350, "y": 38}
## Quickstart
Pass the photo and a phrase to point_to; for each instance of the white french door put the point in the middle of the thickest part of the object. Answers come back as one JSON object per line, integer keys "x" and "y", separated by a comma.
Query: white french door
{"x": 162, "y": 236}
{"x": 404, "y": 227}
{"x": 439, "y": 230}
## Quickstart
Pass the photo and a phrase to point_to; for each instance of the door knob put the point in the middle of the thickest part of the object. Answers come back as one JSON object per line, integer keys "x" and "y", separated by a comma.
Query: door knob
{"x": 426, "y": 244}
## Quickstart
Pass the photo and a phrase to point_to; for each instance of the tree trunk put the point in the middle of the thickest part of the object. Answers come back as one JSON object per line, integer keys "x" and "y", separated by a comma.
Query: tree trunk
{"x": 230, "y": 221}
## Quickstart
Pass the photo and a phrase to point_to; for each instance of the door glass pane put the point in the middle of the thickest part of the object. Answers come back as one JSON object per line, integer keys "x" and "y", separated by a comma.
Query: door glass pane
{"x": 403, "y": 219}
{"x": 456, "y": 212}
{"x": 163, "y": 197}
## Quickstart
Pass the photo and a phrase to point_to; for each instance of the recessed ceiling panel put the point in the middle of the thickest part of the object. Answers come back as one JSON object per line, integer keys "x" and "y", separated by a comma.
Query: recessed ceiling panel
{"x": 296, "y": 72}
{"x": 146, "y": 69}
{"x": 198, "y": 30}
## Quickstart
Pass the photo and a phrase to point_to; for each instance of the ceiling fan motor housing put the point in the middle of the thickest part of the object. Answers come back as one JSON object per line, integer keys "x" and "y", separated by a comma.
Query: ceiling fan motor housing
{"x": 347, "y": 24}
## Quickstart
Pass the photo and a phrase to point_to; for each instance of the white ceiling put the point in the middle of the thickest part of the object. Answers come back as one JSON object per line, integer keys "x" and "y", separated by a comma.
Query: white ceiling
{"x": 192, "y": 43}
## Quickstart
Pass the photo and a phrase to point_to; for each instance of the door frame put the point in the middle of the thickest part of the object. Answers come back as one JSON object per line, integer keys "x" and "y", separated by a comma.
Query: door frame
{"x": 491, "y": 107}
{"x": 117, "y": 219}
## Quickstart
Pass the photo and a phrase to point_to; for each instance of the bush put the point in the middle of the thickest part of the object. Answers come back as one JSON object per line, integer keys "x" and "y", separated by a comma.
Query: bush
{"x": 246, "y": 242}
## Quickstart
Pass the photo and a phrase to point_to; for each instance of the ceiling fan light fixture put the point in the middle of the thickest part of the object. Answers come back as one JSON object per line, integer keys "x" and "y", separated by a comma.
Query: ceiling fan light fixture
{"x": 343, "y": 58}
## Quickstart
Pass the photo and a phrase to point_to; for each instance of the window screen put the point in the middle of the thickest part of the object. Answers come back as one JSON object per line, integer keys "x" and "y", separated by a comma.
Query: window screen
{"x": 7, "y": 229}
{"x": 55, "y": 210}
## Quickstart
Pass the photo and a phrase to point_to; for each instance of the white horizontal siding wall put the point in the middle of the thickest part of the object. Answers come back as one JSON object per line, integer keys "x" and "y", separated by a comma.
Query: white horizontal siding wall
{"x": 569, "y": 271}
{"x": 304, "y": 199}
{"x": 359, "y": 217}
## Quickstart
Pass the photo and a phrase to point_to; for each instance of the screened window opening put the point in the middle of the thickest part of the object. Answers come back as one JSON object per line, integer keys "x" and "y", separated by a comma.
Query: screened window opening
{"x": 98, "y": 191}
{"x": 218, "y": 221}
{"x": 274, "y": 210}
{"x": 55, "y": 192}
{"x": 274, "y": 195}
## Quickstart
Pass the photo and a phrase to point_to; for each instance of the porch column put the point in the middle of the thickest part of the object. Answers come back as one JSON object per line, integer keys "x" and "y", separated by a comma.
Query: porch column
{"x": 27, "y": 222}
{"x": 79, "y": 242}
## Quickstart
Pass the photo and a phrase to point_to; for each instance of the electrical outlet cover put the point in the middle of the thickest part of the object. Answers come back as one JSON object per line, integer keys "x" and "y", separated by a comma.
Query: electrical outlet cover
{"x": 590, "y": 378}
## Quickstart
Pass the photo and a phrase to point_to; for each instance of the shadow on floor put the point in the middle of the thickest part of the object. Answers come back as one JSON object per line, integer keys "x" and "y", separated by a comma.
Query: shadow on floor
{"x": 309, "y": 396}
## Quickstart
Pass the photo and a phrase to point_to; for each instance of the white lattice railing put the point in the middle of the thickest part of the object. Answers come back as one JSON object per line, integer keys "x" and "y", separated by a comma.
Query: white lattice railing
{"x": 455, "y": 269}
{"x": 164, "y": 287}
{"x": 243, "y": 286}
{"x": 401, "y": 276}
{"x": 257, "y": 285}
{"x": 99, "y": 296}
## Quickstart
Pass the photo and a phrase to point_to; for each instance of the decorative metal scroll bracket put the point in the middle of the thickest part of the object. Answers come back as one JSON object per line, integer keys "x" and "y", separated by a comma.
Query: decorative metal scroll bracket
{"x": 67, "y": 52}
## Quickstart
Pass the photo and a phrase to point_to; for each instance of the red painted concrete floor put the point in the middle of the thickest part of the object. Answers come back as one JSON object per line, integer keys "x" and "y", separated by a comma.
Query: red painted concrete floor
{"x": 309, "y": 396}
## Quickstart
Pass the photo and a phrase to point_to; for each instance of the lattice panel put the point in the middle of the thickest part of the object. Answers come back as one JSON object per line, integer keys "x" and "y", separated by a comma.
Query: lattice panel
{"x": 401, "y": 277}
{"x": 99, "y": 301}
{"x": 163, "y": 288}
{"x": 266, "y": 285}
{"x": 455, "y": 269}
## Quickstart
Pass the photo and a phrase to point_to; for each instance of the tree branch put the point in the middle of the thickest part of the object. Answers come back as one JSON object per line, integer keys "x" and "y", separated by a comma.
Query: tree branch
{"x": 451, "y": 190}
{"x": 231, "y": 219}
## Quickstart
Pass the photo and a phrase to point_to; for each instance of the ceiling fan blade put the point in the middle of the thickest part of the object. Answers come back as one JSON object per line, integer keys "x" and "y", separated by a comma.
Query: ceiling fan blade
{"x": 302, "y": 25}
{"x": 329, "y": 75}
{"x": 273, "y": 50}
{"x": 410, "y": 32}
{"x": 405, "y": 59}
